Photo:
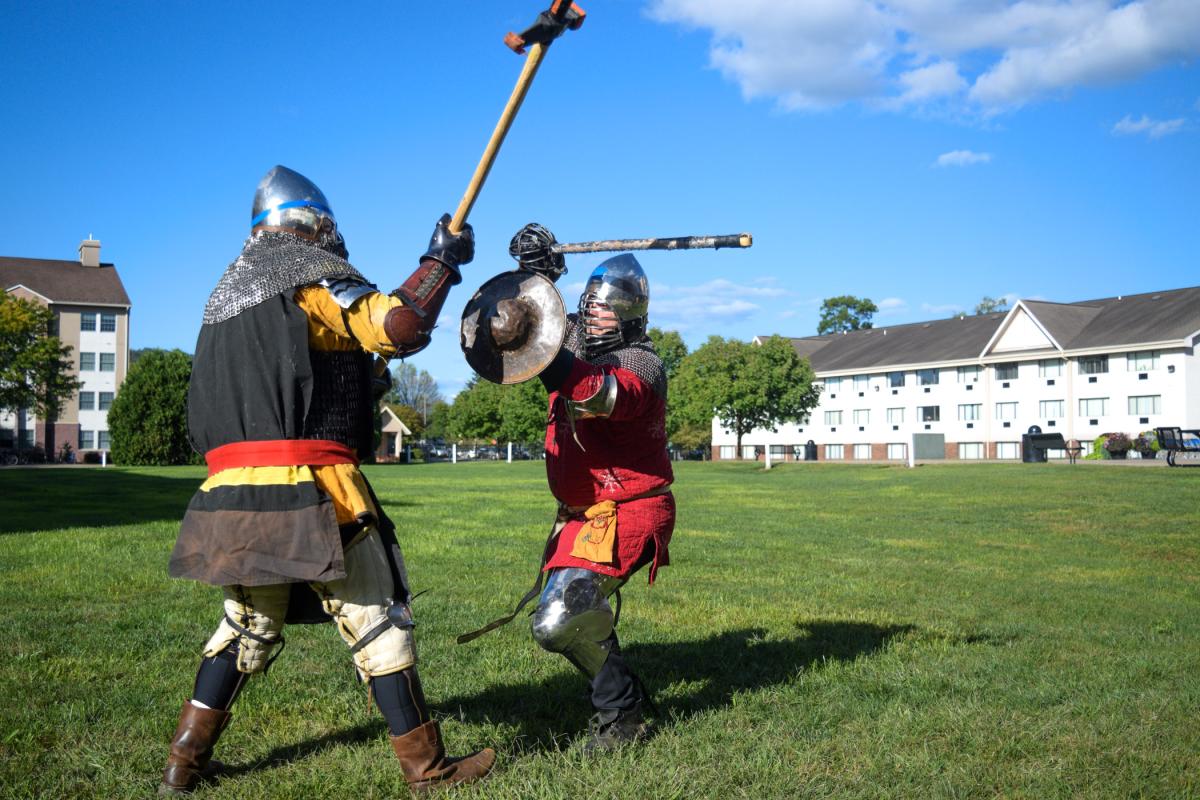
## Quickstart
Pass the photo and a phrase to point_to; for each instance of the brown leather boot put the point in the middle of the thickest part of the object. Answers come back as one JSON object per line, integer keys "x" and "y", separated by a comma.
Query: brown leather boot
{"x": 190, "y": 760}
{"x": 426, "y": 766}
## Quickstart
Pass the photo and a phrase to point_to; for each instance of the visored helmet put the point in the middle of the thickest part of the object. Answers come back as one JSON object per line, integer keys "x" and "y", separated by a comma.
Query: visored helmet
{"x": 619, "y": 285}
{"x": 289, "y": 202}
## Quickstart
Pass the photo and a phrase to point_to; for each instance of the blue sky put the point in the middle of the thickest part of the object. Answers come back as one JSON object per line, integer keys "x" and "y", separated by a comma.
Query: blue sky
{"x": 922, "y": 153}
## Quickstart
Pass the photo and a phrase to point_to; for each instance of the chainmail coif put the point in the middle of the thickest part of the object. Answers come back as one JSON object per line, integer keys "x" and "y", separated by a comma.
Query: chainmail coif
{"x": 271, "y": 263}
{"x": 639, "y": 358}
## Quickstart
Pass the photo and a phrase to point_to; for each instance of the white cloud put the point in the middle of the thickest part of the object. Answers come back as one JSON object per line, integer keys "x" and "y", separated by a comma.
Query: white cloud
{"x": 944, "y": 310}
{"x": 892, "y": 306}
{"x": 1155, "y": 129}
{"x": 912, "y": 53}
{"x": 677, "y": 307}
{"x": 962, "y": 158}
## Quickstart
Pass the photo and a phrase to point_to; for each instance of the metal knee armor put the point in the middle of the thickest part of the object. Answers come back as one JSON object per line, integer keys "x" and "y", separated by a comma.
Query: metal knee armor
{"x": 574, "y": 617}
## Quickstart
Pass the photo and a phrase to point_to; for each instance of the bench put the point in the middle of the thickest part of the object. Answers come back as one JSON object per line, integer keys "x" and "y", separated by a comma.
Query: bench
{"x": 1054, "y": 441}
{"x": 1176, "y": 441}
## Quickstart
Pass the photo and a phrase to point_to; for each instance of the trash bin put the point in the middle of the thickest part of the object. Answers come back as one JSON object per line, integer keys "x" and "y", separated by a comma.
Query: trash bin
{"x": 810, "y": 451}
{"x": 1031, "y": 452}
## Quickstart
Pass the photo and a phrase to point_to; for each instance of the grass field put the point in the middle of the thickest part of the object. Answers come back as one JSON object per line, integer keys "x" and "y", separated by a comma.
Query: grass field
{"x": 825, "y": 631}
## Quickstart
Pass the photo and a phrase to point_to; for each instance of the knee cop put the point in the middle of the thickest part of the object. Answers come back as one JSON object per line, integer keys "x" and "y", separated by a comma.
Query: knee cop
{"x": 254, "y": 618}
{"x": 574, "y": 617}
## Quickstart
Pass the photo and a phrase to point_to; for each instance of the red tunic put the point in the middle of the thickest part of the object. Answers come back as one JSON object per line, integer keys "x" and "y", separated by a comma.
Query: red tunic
{"x": 624, "y": 455}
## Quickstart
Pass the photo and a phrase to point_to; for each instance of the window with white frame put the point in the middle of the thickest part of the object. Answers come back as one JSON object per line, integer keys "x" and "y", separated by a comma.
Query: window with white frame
{"x": 1010, "y": 450}
{"x": 895, "y": 416}
{"x": 1093, "y": 406}
{"x": 1050, "y": 368}
{"x": 833, "y": 384}
{"x": 108, "y": 362}
{"x": 102, "y": 440}
{"x": 87, "y": 362}
{"x": 108, "y": 322}
{"x": 87, "y": 321}
{"x": 970, "y": 451}
{"x": 727, "y": 452}
{"x": 927, "y": 377}
{"x": 833, "y": 418}
{"x": 969, "y": 412}
{"x": 1145, "y": 405}
{"x": 929, "y": 413}
{"x": 85, "y": 439}
{"x": 1006, "y": 372}
{"x": 106, "y": 399}
{"x": 1093, "y": 365}
{"x": 897, "y": 451}
{"x": 862, "y": 452}
{"x": 87, "y": 401}
{"x": 1142, "y": 362}
{"x": 969, "y": 374}
{"x": 862, "y": 383}
{"x": 896, "y": 380}
{"x": 1006, "y": 410}
{"x": 835, "y": 452}
{"x": 778, "y": 452}
{"x": 1052, "y": 409}
{"x": 862, "y": 416}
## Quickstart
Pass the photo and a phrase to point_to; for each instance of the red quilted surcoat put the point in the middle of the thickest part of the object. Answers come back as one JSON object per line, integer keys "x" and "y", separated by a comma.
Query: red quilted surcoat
{"x": 622, "y": 456}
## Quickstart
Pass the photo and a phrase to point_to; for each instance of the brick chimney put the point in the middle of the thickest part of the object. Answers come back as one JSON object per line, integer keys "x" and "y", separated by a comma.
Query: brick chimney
{"x": 89, "y": 252}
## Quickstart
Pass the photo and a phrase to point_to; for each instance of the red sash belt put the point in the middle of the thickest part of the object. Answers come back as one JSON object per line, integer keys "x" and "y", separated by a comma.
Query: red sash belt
{"x": 279, "y": 453}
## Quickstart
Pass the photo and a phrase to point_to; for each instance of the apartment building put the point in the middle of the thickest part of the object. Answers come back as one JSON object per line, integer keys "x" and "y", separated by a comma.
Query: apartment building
{"x": 1124, "y": 364}
{"x": 91, "y": 312}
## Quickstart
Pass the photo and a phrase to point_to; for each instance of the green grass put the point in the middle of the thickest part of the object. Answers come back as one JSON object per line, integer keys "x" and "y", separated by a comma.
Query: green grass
{"x": 825, "y": 631}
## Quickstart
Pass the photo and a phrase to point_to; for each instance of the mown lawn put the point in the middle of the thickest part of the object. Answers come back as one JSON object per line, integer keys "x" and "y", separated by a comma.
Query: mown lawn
{"x": 825, "y": 631}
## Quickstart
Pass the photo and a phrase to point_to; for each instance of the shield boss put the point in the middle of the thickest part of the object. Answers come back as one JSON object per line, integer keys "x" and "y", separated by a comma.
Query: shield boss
{"x": 513, "y": 327}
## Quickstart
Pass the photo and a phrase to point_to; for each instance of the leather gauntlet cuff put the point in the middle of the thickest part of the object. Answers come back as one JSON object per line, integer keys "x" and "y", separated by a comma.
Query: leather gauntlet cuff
{"x": 408, "y": 326}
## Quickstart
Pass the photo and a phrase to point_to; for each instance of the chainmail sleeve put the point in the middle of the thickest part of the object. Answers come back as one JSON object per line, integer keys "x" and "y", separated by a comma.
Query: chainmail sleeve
{"x": 640, "y": 359}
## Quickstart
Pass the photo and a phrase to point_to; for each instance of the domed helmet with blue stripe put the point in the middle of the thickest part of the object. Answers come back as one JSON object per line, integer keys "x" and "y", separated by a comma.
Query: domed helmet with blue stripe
{"x": 288, "y": 202}
{"x": 617, "y": 288}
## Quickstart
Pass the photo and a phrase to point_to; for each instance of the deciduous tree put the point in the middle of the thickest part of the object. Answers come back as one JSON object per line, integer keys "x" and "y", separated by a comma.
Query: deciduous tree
{"x": 845, "y": 313}
{"x": 35, "y": 367}
{"x": 148, "y": 418}
{"x": 415, "y": 388}
{"x": 989, "y": 305}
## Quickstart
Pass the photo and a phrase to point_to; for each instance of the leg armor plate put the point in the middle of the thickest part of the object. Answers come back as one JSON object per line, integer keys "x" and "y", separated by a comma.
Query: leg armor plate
{"x": 574, "y": 617}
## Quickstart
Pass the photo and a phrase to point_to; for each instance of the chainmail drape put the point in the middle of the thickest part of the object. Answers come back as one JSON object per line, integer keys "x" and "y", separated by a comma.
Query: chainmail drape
{"x": 639, "y": 358}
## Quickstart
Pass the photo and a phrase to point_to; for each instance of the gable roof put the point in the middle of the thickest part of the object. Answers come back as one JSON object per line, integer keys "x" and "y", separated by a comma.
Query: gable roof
{"x": 64, "y": 281}
{"x": 1130, "y": 320}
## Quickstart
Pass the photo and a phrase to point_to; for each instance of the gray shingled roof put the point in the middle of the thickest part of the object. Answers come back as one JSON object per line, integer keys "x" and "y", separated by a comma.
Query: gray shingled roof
{"x": 64, "y": 281}
{"x": 1108, "y": 322}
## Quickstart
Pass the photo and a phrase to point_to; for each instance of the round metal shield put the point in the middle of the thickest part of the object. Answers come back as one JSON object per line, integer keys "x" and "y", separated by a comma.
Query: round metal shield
{"x": 513, "y": 327}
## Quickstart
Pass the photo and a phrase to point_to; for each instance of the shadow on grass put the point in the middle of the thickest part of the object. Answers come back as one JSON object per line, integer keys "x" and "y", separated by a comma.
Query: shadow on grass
{"x": 703, "y": 674}
{"x": 35, "y": 500}
{"x": 285, "y": 754}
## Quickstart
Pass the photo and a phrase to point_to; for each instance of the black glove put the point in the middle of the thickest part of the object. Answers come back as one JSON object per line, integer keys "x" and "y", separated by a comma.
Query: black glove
{"x": 451, "y": 249}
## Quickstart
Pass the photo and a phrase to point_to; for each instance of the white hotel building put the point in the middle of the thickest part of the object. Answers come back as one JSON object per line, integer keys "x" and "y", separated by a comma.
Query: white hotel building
{"x": 1125, "y": 364}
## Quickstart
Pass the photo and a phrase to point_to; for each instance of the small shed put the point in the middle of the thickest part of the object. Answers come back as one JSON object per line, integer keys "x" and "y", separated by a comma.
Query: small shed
{"x": 391, "y": 443}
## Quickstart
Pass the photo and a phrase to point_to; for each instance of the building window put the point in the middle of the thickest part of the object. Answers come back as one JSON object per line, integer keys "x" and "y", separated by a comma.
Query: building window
{"x": 862, "y": 416}
{"x": 27, "y": 438}
{"x": 862, "y": 383}
{"x": 106, "y": 399}
{"x": 1010, "y": 450}
{"x": 1006, "y": 410}
{"x": 833, "y": 384}
{"x": 968, "y": 412}
{"x": 108, "y": 322}
{"x": 87, "y": 362}
{"x": 970, "y": 451}
{"x": 87, "y": 321}
{"x": 85, "y": 440}
{"x": 728, "y": 451}
{"x": 833, "y": 418}
{"x": 87, "y": 401}
{"x": 897, "y": 452}
{"x": 778, "y": 451}
{"x": 927, "y": 377}
{"x": 1142, "y": 362}
{"x": 896, "y": 379}
{"x": 1093, "y": 365}
{"x": 1006, "y": 372}
{"x": 1093, "y": 406}
{"x": 1145, "y": 405}
{"x": 895, "y": 416}
{"x": 969, "y": 374}
{"x": 862, "y": 452}
{"x": 1050, "y": 368}
{"x": 102, "y": 440}
{"x": 835, "y": 452}
{"x": 1052, "y": 409}
{"x": 108, "y": 362}
{"x": 929, "y": 413}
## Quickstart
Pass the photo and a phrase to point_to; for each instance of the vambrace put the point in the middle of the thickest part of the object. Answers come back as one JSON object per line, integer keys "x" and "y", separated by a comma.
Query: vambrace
{"x": 600, "y": 404}
{"x": 574, "y": 617}
{"x": 408, "y": 326}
